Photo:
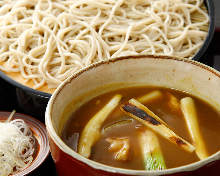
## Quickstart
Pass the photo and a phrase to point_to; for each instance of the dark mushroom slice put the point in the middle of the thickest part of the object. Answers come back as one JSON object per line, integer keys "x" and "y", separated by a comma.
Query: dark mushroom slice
{"x": 117, "y": 124}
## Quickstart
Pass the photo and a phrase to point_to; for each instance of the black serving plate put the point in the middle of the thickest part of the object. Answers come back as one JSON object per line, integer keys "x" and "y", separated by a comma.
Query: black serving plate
{"x": 211, "y": 10}
{"x": 18, "y": 99}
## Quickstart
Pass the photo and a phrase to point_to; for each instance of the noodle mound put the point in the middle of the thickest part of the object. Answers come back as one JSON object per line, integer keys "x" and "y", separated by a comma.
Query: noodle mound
{"x": 48, "y": 40}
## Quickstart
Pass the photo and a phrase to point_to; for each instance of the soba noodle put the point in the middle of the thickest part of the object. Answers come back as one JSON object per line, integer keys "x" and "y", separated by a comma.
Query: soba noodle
{"x": 48, "y": 40}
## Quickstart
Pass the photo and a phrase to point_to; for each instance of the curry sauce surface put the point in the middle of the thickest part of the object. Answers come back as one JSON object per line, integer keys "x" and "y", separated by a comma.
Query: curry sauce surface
{"x": 209, "y": 122}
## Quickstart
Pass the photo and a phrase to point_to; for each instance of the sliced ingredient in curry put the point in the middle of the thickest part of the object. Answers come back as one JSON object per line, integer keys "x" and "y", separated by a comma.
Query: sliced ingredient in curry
{"x": 145, "y": 128}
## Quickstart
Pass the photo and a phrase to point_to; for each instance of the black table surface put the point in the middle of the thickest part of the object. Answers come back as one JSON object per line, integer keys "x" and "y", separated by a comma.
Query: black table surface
{"x": 9, "y": 100}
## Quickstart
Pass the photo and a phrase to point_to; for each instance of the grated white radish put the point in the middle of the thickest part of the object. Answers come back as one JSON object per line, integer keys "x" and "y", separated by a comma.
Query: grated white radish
{"x": 16, "y": 146}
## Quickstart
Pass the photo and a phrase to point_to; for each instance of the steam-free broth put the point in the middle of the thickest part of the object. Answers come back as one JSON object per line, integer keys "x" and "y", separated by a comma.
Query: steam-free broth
{"x": 122, "y": 130}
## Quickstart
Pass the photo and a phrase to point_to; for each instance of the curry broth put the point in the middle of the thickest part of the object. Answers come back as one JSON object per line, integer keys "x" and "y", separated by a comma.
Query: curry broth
{"x": 209, "y": 121}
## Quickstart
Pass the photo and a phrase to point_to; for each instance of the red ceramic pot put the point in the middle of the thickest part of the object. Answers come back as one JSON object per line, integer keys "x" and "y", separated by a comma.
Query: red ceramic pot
{"x": 181, "y": 74}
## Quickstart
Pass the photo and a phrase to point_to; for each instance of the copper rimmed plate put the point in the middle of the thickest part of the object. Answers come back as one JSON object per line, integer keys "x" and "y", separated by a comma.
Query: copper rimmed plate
{"x": 39, "y": 132}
